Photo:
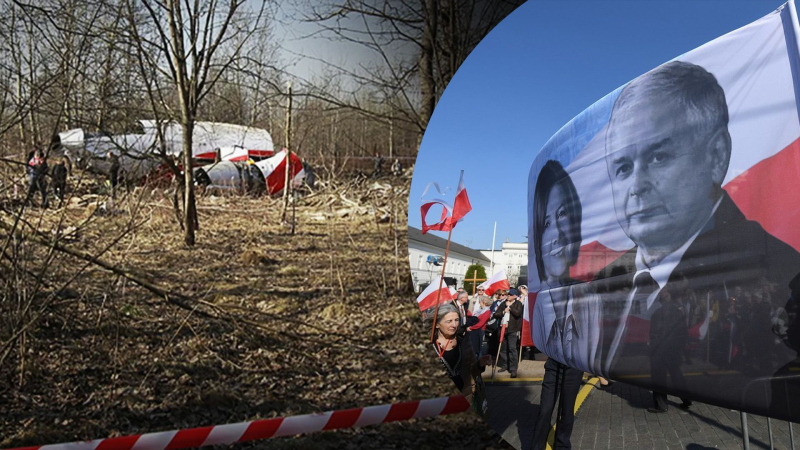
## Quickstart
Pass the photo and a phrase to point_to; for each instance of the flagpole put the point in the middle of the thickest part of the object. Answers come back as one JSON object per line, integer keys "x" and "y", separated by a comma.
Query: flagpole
{"x": 441, "y": 280}
{"x": 793, "y": 15}
{"x": 493, "y": 236}
{"x": 497, "y": 357}
{"x": 708, "y": 331}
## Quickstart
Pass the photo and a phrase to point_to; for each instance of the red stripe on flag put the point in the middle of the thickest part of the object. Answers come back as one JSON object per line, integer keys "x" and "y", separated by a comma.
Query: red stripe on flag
{"x": 527, "y": 339}
{"x": 461, "y": 206}
{"x": 118, "y": 443}
{"x": 401, "y": 411}
{"x": 593, "y": 257}
{"x": 343, "y": 419}
{"x": 261, "y": 429}
{"x": 455, "y": 404}
{"x": 193, "y": 437}
{"x": 494, "y": 287}
{"x": 442, "y": 295}
{"x": 694, "y": 330}
{"x": 442, "y": 225}
{"x": 482, "y": 319}
{"x": 768, "y": 194}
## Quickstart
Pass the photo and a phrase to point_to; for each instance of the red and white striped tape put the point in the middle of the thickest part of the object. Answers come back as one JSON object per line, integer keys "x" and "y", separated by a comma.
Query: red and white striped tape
{"x": 270, "y": 428}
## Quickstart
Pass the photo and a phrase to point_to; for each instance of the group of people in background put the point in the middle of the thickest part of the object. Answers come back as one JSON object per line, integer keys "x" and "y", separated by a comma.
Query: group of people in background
{"x": 490, "y": 326}
{"x": 472, "y": 333}
{"x": 38, "y": 170}
{"x": 377, "y": 167}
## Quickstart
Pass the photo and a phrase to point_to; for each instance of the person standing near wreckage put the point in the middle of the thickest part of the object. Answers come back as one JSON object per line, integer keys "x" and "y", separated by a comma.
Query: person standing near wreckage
{"x": 37, "y": 171}
{"x": 378, "y": 166}
{"x": 113, "y": 173}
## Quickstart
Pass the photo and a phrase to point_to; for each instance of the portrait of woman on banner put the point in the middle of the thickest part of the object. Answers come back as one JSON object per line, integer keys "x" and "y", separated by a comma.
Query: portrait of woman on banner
{"x": 567, "y": 314}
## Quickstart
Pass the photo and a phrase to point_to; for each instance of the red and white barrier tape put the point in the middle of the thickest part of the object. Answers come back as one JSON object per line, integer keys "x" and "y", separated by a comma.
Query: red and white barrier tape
{"x": 270, "y": 428}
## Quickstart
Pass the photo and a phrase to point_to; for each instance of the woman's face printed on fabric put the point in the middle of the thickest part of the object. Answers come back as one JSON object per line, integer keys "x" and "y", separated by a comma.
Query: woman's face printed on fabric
{"x": 556, "y": 248}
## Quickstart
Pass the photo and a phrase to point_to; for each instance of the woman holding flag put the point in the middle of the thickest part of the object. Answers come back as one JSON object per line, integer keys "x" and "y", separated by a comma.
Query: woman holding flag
{"x": 454, "y": 351}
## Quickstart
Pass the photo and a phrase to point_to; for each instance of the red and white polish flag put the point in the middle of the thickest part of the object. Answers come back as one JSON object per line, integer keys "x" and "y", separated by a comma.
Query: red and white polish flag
{"x": 428, "y": 298}
{"x": 461, "y": 205}
{"x": 498, "y": 281}
{"x": 451, "y": 214}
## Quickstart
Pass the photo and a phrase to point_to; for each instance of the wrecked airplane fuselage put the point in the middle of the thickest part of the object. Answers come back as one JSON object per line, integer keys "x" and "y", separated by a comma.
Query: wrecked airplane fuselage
{"x": 231, "y": 176}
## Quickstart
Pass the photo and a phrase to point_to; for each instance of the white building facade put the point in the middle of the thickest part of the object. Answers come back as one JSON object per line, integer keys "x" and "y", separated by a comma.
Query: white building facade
{"x": 425, "y": 248}
{"x": 513, "y": 258}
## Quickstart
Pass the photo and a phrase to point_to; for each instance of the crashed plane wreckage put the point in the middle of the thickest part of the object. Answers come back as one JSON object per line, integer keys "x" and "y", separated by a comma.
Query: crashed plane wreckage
{"x": 236, "y": 158}
{"x": 251, "y": 177}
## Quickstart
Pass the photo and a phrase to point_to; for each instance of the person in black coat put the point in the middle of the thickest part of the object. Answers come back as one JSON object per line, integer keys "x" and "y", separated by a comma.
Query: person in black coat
{"x": 509, "y": 357}
{"x": 493, "y": 326}
{"x": 59, "y": 176}
{"x": 37, "y": 173}
{"x": 113, "y": 173}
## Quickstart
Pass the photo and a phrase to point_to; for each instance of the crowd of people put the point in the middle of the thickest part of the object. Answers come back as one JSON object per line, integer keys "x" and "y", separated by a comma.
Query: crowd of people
{"x": 474, "y": 332}
{"x": 490, "y": 326}
{"x": 471, "y": 333}
{"x": 494, "y": 325}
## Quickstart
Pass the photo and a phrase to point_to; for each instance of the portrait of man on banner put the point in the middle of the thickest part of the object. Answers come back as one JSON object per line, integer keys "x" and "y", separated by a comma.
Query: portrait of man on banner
{"x": 662, "y": 230}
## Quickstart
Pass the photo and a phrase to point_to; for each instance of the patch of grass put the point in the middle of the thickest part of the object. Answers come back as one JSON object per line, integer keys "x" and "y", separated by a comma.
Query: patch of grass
{"x": 291, "y": 271}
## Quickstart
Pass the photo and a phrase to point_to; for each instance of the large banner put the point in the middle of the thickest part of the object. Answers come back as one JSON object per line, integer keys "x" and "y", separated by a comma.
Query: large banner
{"x": 664, "y": 227}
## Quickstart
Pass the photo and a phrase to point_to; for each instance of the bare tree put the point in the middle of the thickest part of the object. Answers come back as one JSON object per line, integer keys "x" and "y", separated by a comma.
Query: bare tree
{"x": 416, "y": 48}
{"x": 192, "y": 39}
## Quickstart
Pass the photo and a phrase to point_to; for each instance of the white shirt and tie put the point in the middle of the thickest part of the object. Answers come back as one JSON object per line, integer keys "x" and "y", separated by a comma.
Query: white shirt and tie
{"x": 647, "y": 283}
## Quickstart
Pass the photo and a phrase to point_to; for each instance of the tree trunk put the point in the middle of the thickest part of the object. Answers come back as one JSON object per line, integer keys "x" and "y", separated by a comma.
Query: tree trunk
{"x": 427, "y": 83}
{"x": 286, "y": 180}
{"x": 391, "y": 138}
{"x": 189, "y": 208}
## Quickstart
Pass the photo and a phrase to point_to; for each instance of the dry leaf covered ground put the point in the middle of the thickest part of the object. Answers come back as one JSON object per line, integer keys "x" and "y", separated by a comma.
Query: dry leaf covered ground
{"x": 259, "y": 323}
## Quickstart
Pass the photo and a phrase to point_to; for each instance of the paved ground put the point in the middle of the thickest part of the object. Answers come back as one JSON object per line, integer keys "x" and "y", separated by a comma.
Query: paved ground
{"x": 618, "y": 419}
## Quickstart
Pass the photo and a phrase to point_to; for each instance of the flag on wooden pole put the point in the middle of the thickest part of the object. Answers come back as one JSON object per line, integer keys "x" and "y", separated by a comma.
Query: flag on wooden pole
{"x": 451, "y": 214}
{"x": 427, "y": 299}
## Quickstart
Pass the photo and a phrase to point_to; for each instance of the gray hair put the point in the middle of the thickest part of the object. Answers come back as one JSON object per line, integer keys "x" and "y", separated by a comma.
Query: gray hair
{"x": 693, "y": 91}
{"x": 444, "y": 309}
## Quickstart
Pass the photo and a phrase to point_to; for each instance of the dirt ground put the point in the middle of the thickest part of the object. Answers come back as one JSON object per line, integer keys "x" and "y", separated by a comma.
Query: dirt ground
{"x": 259, "y": 323}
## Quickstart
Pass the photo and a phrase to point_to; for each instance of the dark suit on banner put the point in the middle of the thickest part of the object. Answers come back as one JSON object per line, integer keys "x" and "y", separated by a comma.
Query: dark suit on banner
{"x": 667, "y": 340}
{"x": 729, "y": 251}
